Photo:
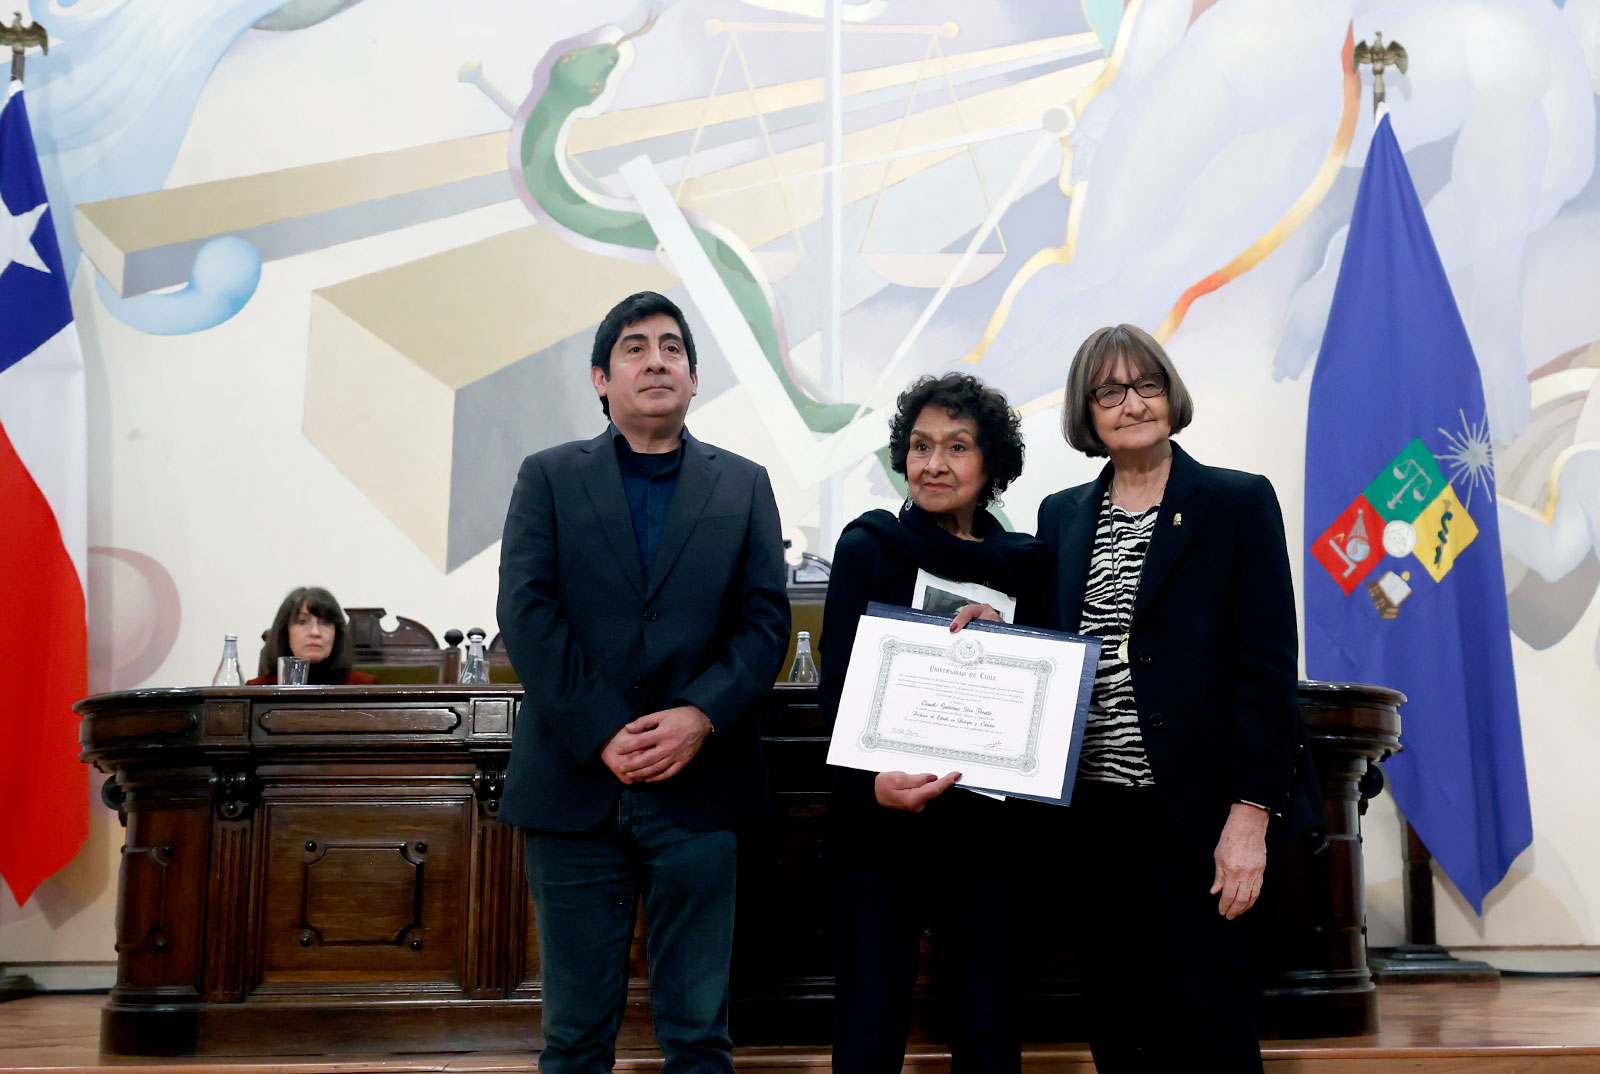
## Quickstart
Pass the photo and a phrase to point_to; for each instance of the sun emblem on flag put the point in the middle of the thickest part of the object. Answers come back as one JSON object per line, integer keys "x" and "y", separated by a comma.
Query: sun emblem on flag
{"x": 1470, "y": 455}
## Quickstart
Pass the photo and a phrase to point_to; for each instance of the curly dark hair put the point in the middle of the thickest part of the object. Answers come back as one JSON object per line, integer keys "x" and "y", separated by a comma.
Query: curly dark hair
{"x": 963, "y": 396}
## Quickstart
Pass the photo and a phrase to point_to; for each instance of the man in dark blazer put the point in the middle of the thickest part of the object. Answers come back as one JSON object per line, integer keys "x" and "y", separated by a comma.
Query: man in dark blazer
{"x": 643, "y": 605}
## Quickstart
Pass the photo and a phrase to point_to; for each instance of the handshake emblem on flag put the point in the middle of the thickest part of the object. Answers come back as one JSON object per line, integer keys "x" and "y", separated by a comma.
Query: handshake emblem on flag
{"x": 1408, "y": 509}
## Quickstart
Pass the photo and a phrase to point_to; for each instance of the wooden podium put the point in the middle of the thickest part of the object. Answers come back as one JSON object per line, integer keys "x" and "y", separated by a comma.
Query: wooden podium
{"x": 320, "y": 869}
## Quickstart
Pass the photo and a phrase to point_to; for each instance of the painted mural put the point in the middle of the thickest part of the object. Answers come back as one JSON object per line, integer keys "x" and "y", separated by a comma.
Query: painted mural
{"x": 337, "y": 265}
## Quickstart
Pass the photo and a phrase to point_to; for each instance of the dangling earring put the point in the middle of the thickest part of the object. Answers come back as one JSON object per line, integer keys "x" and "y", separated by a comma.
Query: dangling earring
{"x": 994, "y": 496}
{"x": 907, "y": 505}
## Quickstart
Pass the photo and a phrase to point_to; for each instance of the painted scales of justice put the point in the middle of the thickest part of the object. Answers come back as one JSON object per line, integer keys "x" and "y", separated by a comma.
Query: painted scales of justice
{"x": 1003, "y": 705}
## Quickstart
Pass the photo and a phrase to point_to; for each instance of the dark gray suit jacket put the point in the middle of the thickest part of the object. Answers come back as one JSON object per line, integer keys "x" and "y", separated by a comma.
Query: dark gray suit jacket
{"x": 596, "y": 643}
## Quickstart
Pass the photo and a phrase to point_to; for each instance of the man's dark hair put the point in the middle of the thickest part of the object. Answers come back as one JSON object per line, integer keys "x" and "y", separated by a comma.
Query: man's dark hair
{"x": 320, "y": 603}
{"x": 631, "y": 311}
{"x": 963, "y": 396}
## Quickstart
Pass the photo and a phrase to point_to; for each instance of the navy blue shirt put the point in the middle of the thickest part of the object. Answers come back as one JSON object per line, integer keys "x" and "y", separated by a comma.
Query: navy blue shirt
{"x": 648, "y": 482}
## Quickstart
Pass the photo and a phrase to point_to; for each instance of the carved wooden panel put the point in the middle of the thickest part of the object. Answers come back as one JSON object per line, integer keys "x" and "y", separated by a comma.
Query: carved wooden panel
{"x": 782, "y": 928}
{"x": 147, "y": 868}
{"x": 157, "y": 723}
{"x": 525, "y": 974}
{"x": 492, "y": 717}
{"x": 366, "y": 631}
{"x": 226, "y": 719}
{"x": 164, "y": 867}
{"x": 409, "y": 666}
{"x": 491, "y": 927}
{"x": 391, "y": 876}
{"x": 344, "y": 720}
{"x": 227, "y": 901}
{"x": 373, "y": 890}
{"x": 407, "y": 654}
{"x": 784, "y": 897}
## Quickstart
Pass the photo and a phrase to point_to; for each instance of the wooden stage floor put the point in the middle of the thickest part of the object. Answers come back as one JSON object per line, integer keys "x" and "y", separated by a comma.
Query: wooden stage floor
{"x": 1533, "y": 1025}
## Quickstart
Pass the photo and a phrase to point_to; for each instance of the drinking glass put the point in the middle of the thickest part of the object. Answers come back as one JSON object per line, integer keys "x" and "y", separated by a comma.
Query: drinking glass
{"x": 293, "y": 671}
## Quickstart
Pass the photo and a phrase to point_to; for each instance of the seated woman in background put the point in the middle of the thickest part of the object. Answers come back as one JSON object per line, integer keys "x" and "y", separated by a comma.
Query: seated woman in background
{"x": 890, "y": 836}
{"x": 311, "y": 625}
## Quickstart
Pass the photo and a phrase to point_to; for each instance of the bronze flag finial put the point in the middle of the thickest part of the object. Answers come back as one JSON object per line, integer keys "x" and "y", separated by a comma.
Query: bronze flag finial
{"x": 21, "y": 37}
{"x": 1378, "y": 56}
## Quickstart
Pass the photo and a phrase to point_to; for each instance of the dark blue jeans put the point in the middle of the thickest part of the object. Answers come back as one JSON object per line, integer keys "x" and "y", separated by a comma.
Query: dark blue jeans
{"x": 585, "y": 886}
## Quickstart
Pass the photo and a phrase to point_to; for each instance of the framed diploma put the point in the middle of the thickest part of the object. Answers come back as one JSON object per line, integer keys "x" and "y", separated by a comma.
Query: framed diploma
{"x": 1003, "y": 705}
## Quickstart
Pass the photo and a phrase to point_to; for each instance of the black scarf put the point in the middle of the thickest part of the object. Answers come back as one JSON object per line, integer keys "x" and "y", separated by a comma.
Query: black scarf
{"x": 1014, "y": 563}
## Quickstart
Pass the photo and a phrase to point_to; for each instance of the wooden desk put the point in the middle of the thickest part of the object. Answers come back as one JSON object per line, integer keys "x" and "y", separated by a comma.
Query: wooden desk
{"x": 316, "y": 869}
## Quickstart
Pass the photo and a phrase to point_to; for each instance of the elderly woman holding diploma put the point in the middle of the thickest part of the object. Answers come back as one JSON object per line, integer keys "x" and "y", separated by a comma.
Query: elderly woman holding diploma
{"x": 958, "y": 445}
{"x": 1194, "y": 731}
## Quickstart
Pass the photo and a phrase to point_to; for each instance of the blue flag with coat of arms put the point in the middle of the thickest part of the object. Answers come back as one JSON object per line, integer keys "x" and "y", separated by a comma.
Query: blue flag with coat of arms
{"x": 1403, "y": 579}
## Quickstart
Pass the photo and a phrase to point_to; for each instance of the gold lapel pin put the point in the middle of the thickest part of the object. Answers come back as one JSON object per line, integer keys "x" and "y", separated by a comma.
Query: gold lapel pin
{"x": 1177, "y": 519}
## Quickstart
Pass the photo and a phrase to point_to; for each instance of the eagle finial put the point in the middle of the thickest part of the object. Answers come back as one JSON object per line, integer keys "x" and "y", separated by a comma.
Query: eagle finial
{"x": 21, "y": 37}
{"x": 1379, "y": 55}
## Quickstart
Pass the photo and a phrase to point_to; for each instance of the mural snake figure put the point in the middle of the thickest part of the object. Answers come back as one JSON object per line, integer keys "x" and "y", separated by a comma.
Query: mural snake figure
{"x": 576, "y": 78}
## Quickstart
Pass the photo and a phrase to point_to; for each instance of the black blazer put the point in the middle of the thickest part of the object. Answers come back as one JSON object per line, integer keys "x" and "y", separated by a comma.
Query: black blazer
{"x": 597, "y": 644}
{"x": 877, "y": 559}
{"x": 1213, "y": 644}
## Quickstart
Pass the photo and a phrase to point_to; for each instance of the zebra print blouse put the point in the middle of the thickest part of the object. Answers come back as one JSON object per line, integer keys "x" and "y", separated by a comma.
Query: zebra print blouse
{"x": 1113, "y": 749}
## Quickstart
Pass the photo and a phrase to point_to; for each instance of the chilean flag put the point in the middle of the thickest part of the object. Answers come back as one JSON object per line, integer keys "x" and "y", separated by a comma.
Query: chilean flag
{"x": 44, "y": 790}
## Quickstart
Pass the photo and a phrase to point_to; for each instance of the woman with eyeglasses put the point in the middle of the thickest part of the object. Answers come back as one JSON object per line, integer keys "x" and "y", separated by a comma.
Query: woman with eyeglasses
{"x": 1190, "y": 752}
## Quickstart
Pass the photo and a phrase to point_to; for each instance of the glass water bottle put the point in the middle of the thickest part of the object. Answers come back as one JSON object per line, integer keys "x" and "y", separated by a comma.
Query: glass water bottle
{"x": 804, "y": 669}
{"x": 228, "y": 673}
{"x": 475, "y": 665}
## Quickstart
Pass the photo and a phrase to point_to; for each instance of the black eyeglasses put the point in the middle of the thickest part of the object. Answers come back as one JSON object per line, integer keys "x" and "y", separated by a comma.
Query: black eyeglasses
{"x": 1113, "y": 392}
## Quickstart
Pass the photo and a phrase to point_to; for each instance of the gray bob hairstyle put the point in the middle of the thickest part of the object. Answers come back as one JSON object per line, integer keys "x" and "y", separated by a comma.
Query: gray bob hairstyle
{"x": 1098, "y": 354}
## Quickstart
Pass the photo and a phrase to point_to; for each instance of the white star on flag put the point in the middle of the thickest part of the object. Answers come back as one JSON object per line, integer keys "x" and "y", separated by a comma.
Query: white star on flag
{"x": 16, "y": 238}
